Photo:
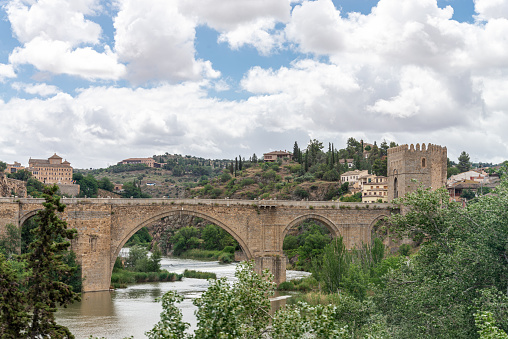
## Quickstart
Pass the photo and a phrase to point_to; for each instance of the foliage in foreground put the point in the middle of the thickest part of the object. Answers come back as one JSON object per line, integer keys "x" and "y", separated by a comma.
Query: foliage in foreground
{"x": 31, "y": 314}
{"x": 461, "y": 268}
{"x": 242, "y": 310}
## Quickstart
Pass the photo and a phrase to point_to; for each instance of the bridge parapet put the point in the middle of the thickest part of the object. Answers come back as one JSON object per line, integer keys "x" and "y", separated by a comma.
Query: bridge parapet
{"x": 214, "y": 202}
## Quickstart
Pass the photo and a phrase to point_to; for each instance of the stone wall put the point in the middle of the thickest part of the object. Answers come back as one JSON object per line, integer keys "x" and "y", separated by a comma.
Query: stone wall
{"x": 410, "y": 166}
{"x": 70, "y": 190}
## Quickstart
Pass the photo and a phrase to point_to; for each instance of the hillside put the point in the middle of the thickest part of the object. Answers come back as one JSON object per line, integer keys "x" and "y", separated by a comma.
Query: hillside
{"x": 267, "y": 181}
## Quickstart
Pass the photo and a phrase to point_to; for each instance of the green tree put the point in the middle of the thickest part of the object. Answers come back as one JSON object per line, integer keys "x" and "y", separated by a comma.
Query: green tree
{"x": 13, "y": 315}
{"x": 44, "y": 287}
{"x": 10, "y": 241}
{"x": 438, "y": 290}
{"x": 379, "y": 167}
{"x": 3, "y": 166}
{"x": 21, "y": 175}
{"x": 106, "y": 184}
{"x": 464, "y": 164}
{"x": 185, "y": 238}
{"x": 452, "y": 171}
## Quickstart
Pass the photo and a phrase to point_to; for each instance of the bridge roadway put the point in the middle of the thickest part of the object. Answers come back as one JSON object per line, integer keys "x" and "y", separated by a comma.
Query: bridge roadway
{"x": 259, "y": 226}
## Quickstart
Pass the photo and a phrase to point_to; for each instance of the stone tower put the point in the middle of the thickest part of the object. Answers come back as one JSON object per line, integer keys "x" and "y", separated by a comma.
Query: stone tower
{"x": 408, "y": 167}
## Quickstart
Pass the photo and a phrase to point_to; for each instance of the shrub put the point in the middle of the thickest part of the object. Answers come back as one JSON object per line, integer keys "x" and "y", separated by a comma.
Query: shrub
{"x": 301, "y": 193}
{"x": 226, "y": 258}
{"x": 199, "y": 275}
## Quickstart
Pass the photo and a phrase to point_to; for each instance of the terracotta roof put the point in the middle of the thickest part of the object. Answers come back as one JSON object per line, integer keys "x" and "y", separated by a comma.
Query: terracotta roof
{"x": 278, "y": 153}
{"x": 54, "y": 156}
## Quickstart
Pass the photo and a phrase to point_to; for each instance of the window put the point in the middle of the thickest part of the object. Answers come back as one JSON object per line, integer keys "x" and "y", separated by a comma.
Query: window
{"x": 423, "y": 163}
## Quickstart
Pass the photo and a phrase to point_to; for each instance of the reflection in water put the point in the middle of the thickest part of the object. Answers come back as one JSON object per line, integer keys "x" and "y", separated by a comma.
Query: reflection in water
{"x": 133, "y": 311}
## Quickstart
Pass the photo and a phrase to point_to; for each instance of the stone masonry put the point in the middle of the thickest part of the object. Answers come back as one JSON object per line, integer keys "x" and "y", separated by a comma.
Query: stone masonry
{"x": 104, "y": 226}
{"x": 409, "y": 167}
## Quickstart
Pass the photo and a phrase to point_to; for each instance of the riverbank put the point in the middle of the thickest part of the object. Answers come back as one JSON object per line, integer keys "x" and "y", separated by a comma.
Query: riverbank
{"x": 131, "y": 311}
{"x": 121, "y": 277}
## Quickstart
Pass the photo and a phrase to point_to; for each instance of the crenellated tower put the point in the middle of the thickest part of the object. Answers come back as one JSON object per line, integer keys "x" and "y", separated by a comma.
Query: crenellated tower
{"x": 410, "y": 166}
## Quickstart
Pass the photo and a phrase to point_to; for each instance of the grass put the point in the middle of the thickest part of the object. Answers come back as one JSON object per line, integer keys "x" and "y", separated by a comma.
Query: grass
{"x": 224, "y": 257}
{"x": 303, "y": 285}
{"x": 121, "y": 277}
{"x": 199, "y": 275}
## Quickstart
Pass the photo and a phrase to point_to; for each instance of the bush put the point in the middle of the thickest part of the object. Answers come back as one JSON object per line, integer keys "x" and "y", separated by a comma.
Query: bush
{"x": 199, "y": 275}
{"x": 301, "y": 193}
{"x": 229, "y": 249}
{"x": 226, "y": 258}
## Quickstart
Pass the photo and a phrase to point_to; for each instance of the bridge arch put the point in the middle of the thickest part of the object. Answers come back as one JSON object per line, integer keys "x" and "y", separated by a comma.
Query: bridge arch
{"x": 330, "y": 225}
{"x": 23, "y": 218}
{"x": 159, "y": 216}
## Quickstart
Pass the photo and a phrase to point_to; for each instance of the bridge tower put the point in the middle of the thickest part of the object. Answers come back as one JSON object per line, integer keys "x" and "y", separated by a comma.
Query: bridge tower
{"x": 410, "y": 166}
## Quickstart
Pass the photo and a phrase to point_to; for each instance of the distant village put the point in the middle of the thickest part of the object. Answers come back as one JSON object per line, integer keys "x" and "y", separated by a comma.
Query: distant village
{"x": 373, "y": 188}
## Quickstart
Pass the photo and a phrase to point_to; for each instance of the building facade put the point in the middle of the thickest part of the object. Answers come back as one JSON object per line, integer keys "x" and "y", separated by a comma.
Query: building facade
{"x": 375, "y": 189}
{"x": 353, "y": 176}
{"x": 150, "y": 162}
{"x": 410, "y": 167}
{"x": 13, "y": 168}
{"x": 51, "y": 171}
{"x": 275, "y": 155}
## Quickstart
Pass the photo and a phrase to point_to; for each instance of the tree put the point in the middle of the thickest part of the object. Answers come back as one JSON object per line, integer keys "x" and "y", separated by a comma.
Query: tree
{"x": 106, "y": 184}
{"x": 452, "y": 171}
{"x": 44, "y": 287}
{"x": 379, "y": 167}
{"x": 437, "y": 292}
{"x": 21, "y": 175}
{"x": 10, "y": 242}
{"x": 3, "y": 166}
{"x": 464, "y": 164}
{"x": 254, "y": 158}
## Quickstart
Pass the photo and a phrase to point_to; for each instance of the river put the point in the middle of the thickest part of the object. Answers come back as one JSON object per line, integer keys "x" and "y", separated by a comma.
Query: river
{"x": 133, "y": 311}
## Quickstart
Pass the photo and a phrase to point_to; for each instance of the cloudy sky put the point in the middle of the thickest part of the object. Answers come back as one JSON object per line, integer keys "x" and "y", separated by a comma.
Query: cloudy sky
{"x": 99, "y": 81}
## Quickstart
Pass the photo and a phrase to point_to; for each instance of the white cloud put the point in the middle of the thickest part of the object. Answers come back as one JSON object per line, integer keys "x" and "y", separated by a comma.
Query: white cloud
{"x": 259, "y": 34}
{"x": 316, "y": 27}
{"x": 491, "y": 9}
{"x": 6, "y": 71}
{"x": 38, "y": 89}
{"x": 54, "y": 20}
{"x": 226, "y": 15}
{"x": 157, "y": 43}
{"x": 58, "y": 57}
{"x": 242, "y": 22}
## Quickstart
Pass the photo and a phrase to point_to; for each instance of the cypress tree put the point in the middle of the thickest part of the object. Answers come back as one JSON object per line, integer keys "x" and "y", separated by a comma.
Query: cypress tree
{"x": 45, "y": 289}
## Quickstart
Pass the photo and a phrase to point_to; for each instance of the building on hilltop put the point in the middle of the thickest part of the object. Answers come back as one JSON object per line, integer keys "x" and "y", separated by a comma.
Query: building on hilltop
{"x": 410, "y": 167}
{"x": 13, "y": 168}
{"x": 150, "y": 162}
{"x": 275, "y": 155}
{"x": 353, "y": 176}
{"x": 350, "y": 162}
{"x": 51, "y": 171}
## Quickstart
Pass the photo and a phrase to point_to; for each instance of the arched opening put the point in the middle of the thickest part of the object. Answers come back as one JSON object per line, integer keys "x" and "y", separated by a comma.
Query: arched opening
{"x": 304, "y": 240}
{"x": 423, "y": 163}
{"x": 26, "y": 236}
{"x": 182, "y": 235}
{"x": 395, "y": 188}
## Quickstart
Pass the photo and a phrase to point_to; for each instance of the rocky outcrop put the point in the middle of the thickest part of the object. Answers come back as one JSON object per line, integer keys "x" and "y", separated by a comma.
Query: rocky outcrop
{"x": 10, "y": 187}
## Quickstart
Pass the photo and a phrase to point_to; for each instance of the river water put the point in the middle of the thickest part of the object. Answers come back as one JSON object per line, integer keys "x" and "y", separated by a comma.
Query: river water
{"x": 133, "y": 311}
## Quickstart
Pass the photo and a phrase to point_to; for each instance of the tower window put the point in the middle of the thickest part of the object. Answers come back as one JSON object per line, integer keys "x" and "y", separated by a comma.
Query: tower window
{"x": 423, "y": 163}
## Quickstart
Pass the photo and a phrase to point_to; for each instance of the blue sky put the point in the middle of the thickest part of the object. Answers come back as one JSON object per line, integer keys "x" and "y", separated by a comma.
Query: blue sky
{"x": 98, "y": 81}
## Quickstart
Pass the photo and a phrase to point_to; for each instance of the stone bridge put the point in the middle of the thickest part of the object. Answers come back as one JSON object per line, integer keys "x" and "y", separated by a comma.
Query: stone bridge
{"x": 105, "y": 225}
